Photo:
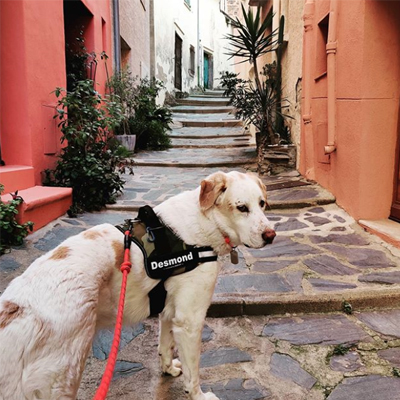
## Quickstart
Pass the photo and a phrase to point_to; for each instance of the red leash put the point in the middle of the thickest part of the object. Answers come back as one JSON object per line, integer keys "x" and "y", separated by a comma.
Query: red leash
{"x": 125, "y": 268}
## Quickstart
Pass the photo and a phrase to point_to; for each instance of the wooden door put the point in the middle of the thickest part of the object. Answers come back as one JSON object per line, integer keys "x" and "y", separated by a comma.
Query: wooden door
{"x": 206, "y": 70}
{"x": 178, "y": 62}
{"x": 395, "y": 210}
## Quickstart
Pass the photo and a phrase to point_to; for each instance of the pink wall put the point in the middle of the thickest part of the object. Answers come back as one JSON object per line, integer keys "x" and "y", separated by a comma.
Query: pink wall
{"x": 361, "y": 171}
{"x": 32, "y": 66}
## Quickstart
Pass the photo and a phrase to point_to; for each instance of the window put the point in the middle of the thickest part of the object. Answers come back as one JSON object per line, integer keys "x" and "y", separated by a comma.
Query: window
{"x": 322, "y": 40}
{"x": 192, "y": 61}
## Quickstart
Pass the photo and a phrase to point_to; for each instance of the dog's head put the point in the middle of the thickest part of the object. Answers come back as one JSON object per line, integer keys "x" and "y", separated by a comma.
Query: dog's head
{"x": 237, "y": 202}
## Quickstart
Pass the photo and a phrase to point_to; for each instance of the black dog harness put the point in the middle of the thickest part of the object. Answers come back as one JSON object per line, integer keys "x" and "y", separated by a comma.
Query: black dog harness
{"x": 164, "y": 253}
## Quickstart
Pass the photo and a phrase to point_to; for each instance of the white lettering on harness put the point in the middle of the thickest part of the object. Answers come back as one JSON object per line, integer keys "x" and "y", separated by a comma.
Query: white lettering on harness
{"x": 171, "y": 261}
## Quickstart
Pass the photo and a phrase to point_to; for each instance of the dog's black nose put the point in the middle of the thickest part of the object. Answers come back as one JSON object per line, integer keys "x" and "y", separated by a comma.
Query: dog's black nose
{"x": 268, "y": 236}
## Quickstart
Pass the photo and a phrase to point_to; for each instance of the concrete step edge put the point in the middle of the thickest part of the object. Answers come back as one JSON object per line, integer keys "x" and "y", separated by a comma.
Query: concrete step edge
{"x": 275, "y": 205}
{"x": 240, "y": 304}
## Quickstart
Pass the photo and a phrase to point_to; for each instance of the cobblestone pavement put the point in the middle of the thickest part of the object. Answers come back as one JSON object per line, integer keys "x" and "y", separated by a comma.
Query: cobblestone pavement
{"x": 291, "y": 357}
{"x": 281, "y": 330}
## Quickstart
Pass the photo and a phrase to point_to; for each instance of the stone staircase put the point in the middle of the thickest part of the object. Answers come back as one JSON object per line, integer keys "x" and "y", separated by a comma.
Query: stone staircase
{"x": 203, "y": 125}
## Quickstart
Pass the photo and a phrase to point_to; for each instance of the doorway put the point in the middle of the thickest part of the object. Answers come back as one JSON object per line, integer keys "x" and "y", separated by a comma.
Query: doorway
{"x": 178, "y": 62}
{"x": 395, "y": 209}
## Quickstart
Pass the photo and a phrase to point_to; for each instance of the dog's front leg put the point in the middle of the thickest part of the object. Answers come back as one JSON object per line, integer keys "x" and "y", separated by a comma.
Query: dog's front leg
{"x": 166, "y": 348}
{"x": 187, "y": 332}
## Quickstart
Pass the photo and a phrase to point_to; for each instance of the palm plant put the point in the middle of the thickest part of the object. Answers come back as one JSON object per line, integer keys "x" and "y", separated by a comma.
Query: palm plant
{"x": 252, "y": 39}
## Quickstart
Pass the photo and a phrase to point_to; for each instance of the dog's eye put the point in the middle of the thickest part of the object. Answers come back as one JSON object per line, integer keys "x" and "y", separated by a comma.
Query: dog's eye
{"x": 243, "y": 208}
{"x": 262, "y": 203}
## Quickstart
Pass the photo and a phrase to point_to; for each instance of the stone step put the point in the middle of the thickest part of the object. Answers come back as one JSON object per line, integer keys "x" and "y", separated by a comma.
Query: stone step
{"x": 221, "y": 142}
{"x": 197, "y": 157}
{"x": 202, "y": 109}
{"x": 42, "y": 204}
{"x": 202, "y": 101}
{"x": 211, "y": 123}
{"x": 16, "y": 177}
{"x": 208, "y": 133}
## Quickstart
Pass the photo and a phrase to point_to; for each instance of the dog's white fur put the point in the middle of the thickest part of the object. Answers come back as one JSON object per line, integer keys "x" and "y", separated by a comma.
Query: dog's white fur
{"x": 49, "y": 314}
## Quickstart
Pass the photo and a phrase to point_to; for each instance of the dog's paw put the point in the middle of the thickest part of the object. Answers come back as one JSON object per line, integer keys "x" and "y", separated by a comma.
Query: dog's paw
{"x": 174, "y": 369}
{"x": 210, "y": 396}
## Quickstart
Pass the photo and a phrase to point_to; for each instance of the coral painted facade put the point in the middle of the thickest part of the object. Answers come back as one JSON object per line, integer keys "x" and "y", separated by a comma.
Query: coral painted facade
{"x": 33, "y": 34}
{"x": 350, "y": 105}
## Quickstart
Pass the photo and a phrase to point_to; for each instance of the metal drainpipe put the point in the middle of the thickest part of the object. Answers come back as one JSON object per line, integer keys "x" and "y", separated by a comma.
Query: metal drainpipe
{"x": 308, "y": 23}
{"x": 117, "y": 37}
{"x": 198, "y": 43}
{"x": 331, "y": 47}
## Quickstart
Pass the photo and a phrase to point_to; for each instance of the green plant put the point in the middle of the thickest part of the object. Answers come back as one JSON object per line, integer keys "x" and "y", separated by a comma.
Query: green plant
{"x": 229, "y": 81}
{"x": 90, "y": 162}
{"x": 252, "y": 39}
{"x": 341, "y": 349}
{"x": 11, "y": 232}
{"x": 260, "y": 102}
{"x": 141, "y": 114}
{"x": 396, "y": 372}
{"x": 347, "y": 307}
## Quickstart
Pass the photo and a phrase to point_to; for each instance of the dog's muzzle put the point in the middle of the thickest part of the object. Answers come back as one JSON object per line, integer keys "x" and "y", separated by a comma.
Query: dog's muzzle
{"x": 268, "y": 236}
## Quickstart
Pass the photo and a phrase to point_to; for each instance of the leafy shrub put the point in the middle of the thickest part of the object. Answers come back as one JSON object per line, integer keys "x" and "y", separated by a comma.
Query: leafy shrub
{"x": 90, "y": 161}
{"x": 11, "y": 232}
{"x": 141, "y": 114}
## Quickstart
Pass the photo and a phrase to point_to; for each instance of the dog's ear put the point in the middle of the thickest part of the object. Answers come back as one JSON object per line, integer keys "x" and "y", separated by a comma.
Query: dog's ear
{"x": 211, "y": 188}
{"x": 259, "y": 183}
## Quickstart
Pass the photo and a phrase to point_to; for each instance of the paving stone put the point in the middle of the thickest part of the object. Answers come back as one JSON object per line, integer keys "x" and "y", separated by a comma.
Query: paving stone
{"x": 126, "y": 368}
{"x": 338, "y": 229}
{"x": 348, "y": 362}
{"x": 56, "y": 236}
{"x": 293, "y": 194}
{"x": 8, "y": 263}
{"x": 339, "y": 219}
{"x": 285, "y": 367}
{"x": 102, "y": 342}
{"x": 290, "y": 225}
{"x": 385, "y": 322}
{"x": 253, "y": 283}
{"x": 274, "y": 218}
{"x": 317, "y": 210}
{"x": 207, "y": 334}
{"x": 110, "y": 217}
{"x": 372, "y": 387}
{"x": 351, "y": 239}
{"x": 391, "y": 355}
{"x": 362, "y": 257}
{"x": 223, "y": 355}
{"x": 387, "y": 278}
{"x": 71, "y": 221}
{"x": 318, "y": 221}
{"x": 271, "y": 266}
{"x": 326, "y": 265}
{"x": 320, "y": 329}
{"x": 328, "y": 285}
{"x": 237, "y": 389}
{"x": 284, "y": 247}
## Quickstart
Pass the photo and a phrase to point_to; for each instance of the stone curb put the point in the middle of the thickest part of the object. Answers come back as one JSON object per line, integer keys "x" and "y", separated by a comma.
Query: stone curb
{"x": 238, "y": 305}
{"x": 239, "y": 163}
{"x": 274, "y": 204}
{"x": 238, "y": 135}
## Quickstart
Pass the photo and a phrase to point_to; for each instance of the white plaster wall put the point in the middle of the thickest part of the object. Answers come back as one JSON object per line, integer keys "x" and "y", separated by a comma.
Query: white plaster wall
{"x": 135, "y": 30}
{"x": 292, "y": 65}
{"x": 174, "y": 16}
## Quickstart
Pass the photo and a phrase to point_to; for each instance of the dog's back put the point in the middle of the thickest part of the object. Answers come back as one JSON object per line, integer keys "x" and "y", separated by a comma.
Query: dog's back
{"x": 48, "y": 316}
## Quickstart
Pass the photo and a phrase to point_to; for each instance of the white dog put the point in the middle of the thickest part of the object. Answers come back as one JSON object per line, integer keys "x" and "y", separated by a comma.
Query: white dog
{"x": 50, "y": 314}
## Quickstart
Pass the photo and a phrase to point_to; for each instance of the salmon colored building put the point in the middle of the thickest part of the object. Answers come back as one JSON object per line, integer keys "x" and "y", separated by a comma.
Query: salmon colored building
{"x": 350, "y": 105}
{"x": 33, "y": 37}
